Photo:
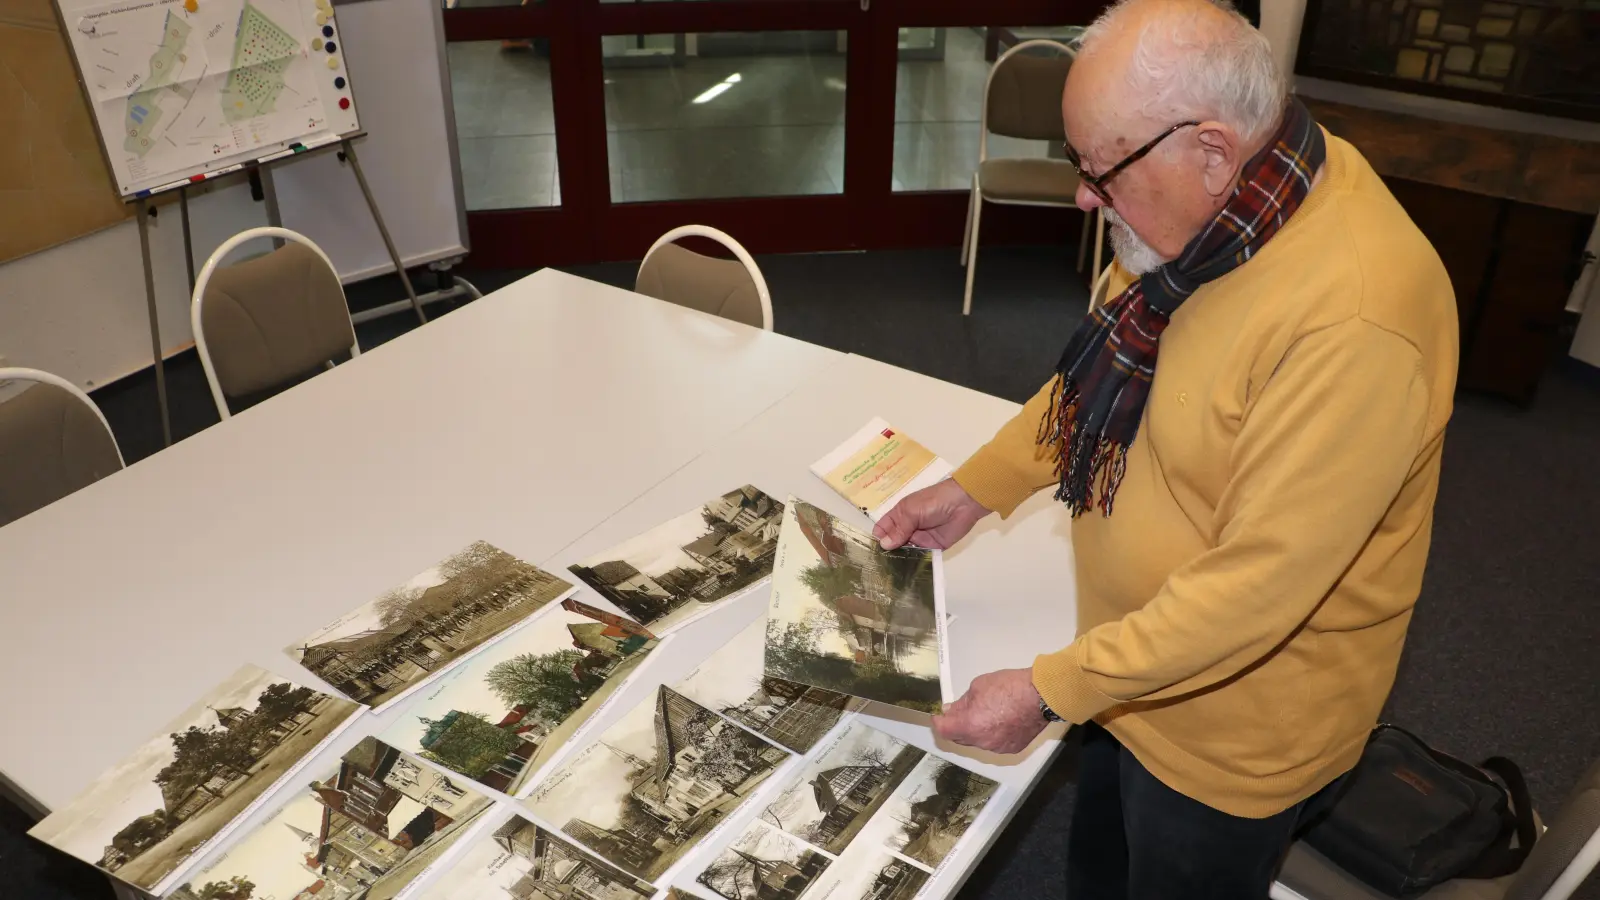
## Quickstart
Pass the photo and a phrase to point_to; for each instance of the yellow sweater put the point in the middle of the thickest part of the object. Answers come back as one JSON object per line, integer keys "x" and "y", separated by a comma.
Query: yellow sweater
{"x": 1241, "y": 612}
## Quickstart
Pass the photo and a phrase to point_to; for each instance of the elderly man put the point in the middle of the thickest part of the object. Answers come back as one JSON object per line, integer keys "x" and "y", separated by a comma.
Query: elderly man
{"x": 1248, "y": 435}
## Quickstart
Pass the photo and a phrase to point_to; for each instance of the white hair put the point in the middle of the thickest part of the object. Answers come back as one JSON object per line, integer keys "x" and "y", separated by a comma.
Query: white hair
{"x": 1187, "y": 67}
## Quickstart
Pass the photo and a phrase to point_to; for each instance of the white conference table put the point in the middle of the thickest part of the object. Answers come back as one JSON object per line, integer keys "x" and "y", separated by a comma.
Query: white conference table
{"x": 552, "y": 418}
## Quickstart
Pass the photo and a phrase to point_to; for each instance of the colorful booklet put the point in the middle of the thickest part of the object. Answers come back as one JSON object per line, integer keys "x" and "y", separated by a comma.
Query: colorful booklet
{"x": 878, "y": 466}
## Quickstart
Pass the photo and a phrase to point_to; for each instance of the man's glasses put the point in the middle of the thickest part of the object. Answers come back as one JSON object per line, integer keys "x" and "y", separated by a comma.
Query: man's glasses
{"x": 1097, "y": 183}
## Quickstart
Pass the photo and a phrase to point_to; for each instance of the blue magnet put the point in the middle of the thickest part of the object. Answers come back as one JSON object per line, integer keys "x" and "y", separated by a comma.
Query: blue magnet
{"x": 329, "y": 47}
{"x": 327, "y": 31}
{"x": 339, "y": 82}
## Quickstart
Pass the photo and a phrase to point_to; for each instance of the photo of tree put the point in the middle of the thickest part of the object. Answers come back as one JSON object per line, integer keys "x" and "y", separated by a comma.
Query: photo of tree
{"x": 655, "y": 783}
{"x": 682, "y": 568}
{"x": 731, "y": 682}
{"x": 149, "y": 817}
{"x": 763, "y": 864}
{"x": 848, "y": 616}
{"x": 500, "y": 716}
{"x": 521, "y": 861}
{"x": 839, "y": 792}
{"x": 386, "y": 648}
{"x": 365, "y": 829}
{"x": 934, "y": 808}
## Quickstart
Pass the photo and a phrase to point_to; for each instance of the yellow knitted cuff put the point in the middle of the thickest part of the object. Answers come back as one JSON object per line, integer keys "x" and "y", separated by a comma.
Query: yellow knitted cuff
{"x": 1065, "y": 687}
{"x": 991, "y": 481}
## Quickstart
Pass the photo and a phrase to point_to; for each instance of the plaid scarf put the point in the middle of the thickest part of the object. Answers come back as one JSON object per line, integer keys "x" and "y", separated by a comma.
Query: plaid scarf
{"x": 1103, "y": 378}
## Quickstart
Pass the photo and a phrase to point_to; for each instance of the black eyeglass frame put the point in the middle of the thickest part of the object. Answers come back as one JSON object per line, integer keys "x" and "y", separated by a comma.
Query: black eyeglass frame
{"x": 1097, "y": 183}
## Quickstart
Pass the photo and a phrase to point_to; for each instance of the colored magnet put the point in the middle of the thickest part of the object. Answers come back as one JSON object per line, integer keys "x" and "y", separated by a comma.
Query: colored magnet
{"x": 329, "y": 47}
{"x": 322, "y": 18}
{"x": 327, "y": 30}
{"x": 339, "y": 82}
{"x": 344, "y": 102}
{"x": 191, "y": 6}
{"x": 333, "y": 62}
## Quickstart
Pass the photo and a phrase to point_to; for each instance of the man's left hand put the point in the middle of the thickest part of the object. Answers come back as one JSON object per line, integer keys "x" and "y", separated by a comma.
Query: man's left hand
{"x": 999, "y": 713}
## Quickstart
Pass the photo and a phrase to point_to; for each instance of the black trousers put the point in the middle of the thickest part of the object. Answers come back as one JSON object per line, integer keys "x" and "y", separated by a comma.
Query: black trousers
{"x": 1134, "y": 838}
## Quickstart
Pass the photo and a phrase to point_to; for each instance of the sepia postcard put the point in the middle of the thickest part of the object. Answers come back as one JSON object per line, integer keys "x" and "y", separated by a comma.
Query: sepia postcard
{"x": 383, "y": 650}
{"x": 763, "y": 863}
{"x": 732, "y": 683}
{"x": 502, "y": 715}
{"x": 677, "y": 571}
{"x": 878, "y": 466}
{"x": 518, "y": 860}
{"x": 367, "y": 828}
{"x": 935, "y": 806}
{"x": 148, "y": 819}
{"x": 849, "y": 616}
{"x": 872, "y": 875}
{"x": 843, "y": 787}
{"x": 655, "y": 783}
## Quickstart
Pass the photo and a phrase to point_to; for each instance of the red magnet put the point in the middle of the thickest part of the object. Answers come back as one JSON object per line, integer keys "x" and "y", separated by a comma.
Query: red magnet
{"x": 344, "y": 102}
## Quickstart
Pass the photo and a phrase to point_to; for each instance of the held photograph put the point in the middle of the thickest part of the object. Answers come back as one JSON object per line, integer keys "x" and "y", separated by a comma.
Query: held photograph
{"x": 676, "y": 571}
{"x": 521, "y": 861}
{"x": 731, "y": 682}
{"x": 384, "y": 649}
{"x": 849, "y": 616}
{"x": 763, "y": 864}
{"x": 148, "y": 818}
{"x": 503, "y": 714}
{"x": 839, "y": 792}
{"x": 934, "y": 808}
{"x": 366, "y": 829}
{"x": 655, "y": 783}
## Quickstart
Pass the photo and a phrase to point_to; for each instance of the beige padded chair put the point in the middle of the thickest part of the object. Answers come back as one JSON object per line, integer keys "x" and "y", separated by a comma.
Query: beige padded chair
{"x": 1022, "y": 99}
{"x": 1102, "y": 286}
{"x": 730, "y": 288}
{"x": 270, "y": 320}
{"x": 1563, "y": 857}
{"x": 53, "y": 441}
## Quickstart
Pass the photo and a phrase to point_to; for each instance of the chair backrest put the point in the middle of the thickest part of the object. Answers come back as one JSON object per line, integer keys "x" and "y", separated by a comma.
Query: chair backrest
{"x": 1022, "y": 98}
{"x": 730, "y": 288}
{"x": 1102, "y": 286}
{"x": 53, "y": 441}
{"x": 1567, "y": 851}
{"x": 268, "y": 320}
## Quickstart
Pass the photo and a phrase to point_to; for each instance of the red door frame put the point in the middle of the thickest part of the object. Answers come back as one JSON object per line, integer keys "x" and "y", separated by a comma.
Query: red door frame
{"x": 588, "y": 227}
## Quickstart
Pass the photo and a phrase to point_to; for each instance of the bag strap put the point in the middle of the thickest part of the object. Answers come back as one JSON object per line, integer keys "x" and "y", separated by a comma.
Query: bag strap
{"x": 1501, "y": 858}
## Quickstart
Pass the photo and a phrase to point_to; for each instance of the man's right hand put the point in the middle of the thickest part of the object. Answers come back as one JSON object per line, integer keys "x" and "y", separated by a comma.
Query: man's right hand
{"x": 934, "y": 517}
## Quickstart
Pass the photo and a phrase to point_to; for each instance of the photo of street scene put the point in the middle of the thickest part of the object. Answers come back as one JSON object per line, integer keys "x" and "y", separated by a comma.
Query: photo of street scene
{"x": 731, "y": 682}
{"x": 364, "y": 830}
{"x": 849, "y": 616}
{"x": 150, "y": 815}
{"x": 500, "y": 716}
{"x": 875, "y": 876}
{"x": 837, "y": 793}
{"x": 383, "y": 649}
{"x": 655, "y": 783}
{"x": 676, "y": 571}
{"x": 934, "y": 808}
{"x": 763, "y": 864}
{"x": 521, "y": 861}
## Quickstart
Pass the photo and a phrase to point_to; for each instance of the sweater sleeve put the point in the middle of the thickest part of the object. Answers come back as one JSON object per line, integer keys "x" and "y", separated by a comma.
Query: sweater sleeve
{"x": 1319, "y": 458}
{"x": 1010, "y": 468}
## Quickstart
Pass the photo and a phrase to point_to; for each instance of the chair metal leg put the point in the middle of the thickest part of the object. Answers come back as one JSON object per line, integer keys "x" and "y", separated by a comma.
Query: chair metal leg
{"x": 966, "y": 234}
{"x": 1083, "y": 244}
{"x": 972, "y": 255}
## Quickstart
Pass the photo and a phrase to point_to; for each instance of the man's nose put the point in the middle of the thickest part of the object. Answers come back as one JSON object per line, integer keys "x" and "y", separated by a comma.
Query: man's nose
{"x": 1087, "y": 200}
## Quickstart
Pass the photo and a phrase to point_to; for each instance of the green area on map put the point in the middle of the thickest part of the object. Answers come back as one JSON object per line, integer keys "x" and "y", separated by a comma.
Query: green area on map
{"x": 262, "y": 52}
{"x": 143, "y": 111}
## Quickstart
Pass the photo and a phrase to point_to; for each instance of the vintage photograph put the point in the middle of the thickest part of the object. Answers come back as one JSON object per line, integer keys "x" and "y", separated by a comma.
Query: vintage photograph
{"x": 934, "y": 808}
{"x": 364, "y": 830}
{"x": 849, "y": 616}
{"x": 655, "y": 783}
{"x": 676, "y": 571}
{"x": 731, "y": 682}
{"x": 148, "y": 817}
{"x": 875, "y": 876}
{"x": 763, "y": 864}
{"x": 521, "y": 861}
{"x": 385, "y": 648}
{"x": 499, "y": 717}
{"x": 837, "y": 793}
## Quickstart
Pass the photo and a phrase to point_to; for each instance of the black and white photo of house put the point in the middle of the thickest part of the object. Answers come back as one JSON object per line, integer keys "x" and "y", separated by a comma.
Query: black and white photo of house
{"x": 840, "y": 791}
{"x": 875, "y": 876}
{"x": 386, "y": 647}
{"x": 655, "y": 783}
{"x": 679, "y": 569}
{"x": 763, "y": 864}
{"x": 934, "y": 808}
{"x": 521, "y": 861}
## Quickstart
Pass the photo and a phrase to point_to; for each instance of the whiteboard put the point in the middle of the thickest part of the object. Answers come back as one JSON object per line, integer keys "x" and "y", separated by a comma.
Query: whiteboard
{"x": 180, "y": 90}
{"x": 396, "y": 53}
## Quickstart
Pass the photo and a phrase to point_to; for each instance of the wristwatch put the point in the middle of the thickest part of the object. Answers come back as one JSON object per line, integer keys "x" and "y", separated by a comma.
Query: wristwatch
{"x": 1048, "y": 713}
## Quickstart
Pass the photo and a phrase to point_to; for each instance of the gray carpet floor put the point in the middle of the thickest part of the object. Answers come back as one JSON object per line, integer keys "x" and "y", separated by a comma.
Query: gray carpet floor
{"x": 1502, "y": 656}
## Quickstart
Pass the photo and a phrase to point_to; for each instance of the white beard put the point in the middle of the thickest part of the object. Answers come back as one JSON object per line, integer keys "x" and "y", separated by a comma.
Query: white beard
{"x": 1135, "y": 255}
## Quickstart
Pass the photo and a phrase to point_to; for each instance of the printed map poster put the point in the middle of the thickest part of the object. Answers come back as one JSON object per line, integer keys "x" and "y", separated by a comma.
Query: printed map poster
{"x": 151, "y": 817}
{"x": 848, "y": 616}
{"x": 368, "y": 827}
{"x": 676, "y": 572}
{"x": 181, "y": 87}
{"x": 878, "y": 466}
{"x": 390, "y": 646}
{"x": 521, "y": 861}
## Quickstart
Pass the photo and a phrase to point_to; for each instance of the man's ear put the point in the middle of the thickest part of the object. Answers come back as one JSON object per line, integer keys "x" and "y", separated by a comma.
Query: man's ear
{"x": 1220, "y": 146}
